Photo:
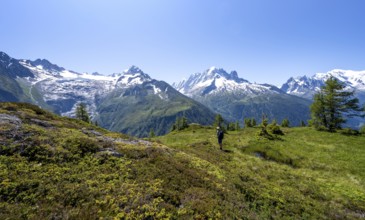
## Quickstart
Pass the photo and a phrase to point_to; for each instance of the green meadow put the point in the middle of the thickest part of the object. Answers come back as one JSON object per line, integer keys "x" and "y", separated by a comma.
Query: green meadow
{"x": 53, "y": 167}
{"x": 302, "y": 174}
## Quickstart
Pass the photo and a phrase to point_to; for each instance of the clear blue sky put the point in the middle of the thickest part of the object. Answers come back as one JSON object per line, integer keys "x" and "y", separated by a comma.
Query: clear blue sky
{"x": 264, "y": 40}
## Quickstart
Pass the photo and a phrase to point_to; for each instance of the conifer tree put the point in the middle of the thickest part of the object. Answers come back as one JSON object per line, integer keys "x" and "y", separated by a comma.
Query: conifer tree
{"x": 152, "y": 133}
{"x": 330, "y": 103}
{"x": 81, "y": 113}
{"x": 184, "y": 122}
{"x": 253, "y": 122}
{"x": 218, "y": 121}
{"x": 180, "y": 124}
{"x": 231, "y": 126}
{"x": 247, "y": 122}
{"x": 285, "y": 123}
{"x": 237, "y": 126}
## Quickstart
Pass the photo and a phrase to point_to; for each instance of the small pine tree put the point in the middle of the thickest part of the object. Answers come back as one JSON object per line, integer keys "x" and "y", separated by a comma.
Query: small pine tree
{"x": 253, "y": 122}
{"x": 274, "y": 128}
{"x": 81, "y": 113}
{"x": 247, "y": 123}
{"x": 302, "y": 123}
{"x": 285, "y": 123}
{"x": 237, "y": 126}
{"x": 264, "y": 120}
{"x": 274, "y": 122}
{"x": 180, "y": 124}
{"x": 218, "y": 121}
{"x": 152, "y": 133}
{"x": 264, "y": 132}
{"x": 184, "y": 123}
{"x": 231, "y": 126}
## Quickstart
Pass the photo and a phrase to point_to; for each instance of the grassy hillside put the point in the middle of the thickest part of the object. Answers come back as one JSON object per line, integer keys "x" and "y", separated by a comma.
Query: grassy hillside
{"x": 58, "y": 168}
{"x": 306, "y": 174}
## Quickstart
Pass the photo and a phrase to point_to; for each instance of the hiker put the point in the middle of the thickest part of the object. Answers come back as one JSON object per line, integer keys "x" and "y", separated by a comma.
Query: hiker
{"x": 220, "y": 136}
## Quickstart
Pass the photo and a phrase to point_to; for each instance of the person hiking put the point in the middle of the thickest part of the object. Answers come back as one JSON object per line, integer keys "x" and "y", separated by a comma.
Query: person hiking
{"x": 220, "y": 136}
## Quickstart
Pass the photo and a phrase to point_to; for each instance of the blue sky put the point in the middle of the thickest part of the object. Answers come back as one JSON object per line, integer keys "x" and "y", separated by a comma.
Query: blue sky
{"x": 265, "y": 41}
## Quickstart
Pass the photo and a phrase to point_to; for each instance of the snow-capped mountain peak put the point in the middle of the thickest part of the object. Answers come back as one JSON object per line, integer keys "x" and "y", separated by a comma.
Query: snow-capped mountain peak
{"x": 216, "y": 73}
{"x": 351, "y": 78}
{"x": 46, "y": 65}
{"x": 12, "y": 68}
{"x": 132, "y": 76}
{"x": 4, "y": 56}
{"x": 217, "y": 80}
{"x": 133, "y": 70}
{"x": 6, "y": 60}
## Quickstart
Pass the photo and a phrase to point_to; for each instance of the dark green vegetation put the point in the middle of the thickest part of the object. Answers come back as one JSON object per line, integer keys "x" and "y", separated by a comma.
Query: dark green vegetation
{"x": 81, "y": 113}
{"x": 139, "y": 110}
{"x": 331, "y": 103}
{"x": 59, "y": 168}
{"x": 279, "y": 106}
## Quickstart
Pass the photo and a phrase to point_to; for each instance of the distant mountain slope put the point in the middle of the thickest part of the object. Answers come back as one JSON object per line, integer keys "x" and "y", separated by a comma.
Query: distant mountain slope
{"x": 154, "y": 104}
{"x": 236, "y": 98}
{"x": 139, "y": 102}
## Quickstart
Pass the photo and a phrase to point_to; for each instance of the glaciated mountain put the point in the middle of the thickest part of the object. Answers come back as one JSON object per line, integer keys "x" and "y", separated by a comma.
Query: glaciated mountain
{"x": 58, "y": 89}
{"x": 216, "y": 81}
{"x": 137, "y": 99}
{"x": 307, "y": 86}
{"x": 236, "y": 98}
{"x": 130, "y": 102}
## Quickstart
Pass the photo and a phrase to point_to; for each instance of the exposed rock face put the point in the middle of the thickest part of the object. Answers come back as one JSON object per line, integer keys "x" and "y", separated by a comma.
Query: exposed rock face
{"x": 10, "y": 119}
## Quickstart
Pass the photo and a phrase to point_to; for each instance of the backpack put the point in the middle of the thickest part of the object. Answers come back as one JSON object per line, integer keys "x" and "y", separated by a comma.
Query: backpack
{"x": 220, "y": 134}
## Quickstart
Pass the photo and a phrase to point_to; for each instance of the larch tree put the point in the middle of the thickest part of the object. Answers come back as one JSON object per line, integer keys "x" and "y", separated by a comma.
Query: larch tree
{"x": 332, "y": 104}
{"x": 81, "y": 113}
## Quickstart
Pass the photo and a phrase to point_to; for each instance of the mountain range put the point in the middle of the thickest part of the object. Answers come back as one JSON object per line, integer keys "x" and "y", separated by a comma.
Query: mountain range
{"x": 134, "y": 103}
{"x": 236, "y": 98}
{"x": 305, "y": 86}
{"x": 130, "y": 102}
